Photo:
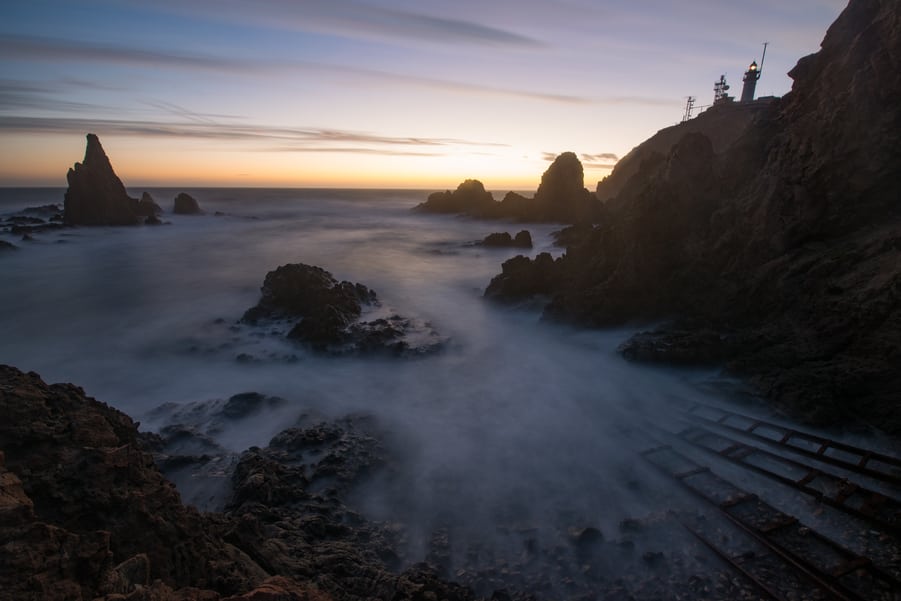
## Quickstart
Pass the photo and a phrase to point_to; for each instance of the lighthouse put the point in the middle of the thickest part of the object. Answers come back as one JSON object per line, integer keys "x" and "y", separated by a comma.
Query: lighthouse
{"x": 751, "y": 77}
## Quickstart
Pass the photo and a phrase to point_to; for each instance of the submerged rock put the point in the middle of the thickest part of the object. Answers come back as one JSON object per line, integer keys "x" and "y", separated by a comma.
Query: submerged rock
{"x": 96, "y": 195}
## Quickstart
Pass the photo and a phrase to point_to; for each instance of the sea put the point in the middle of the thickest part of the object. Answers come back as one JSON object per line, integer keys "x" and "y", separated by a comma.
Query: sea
{"x": 514, "y": 411}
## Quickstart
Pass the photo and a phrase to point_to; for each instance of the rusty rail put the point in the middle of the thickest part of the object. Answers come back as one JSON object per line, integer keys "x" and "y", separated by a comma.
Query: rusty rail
{"x": 862, "y": 461}
{"x": 843, "y": 573}
{"x": 879, "y": 509}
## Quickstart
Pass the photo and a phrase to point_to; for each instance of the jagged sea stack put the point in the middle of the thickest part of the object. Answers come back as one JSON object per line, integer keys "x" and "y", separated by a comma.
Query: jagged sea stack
{"x": 96, "y": 195}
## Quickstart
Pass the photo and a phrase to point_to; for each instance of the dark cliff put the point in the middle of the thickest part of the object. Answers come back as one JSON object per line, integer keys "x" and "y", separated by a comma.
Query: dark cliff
{"x": 784, "y": 239}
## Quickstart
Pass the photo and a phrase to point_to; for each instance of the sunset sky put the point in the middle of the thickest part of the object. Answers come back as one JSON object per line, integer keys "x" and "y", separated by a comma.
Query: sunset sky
{"x": 370, "y": 93}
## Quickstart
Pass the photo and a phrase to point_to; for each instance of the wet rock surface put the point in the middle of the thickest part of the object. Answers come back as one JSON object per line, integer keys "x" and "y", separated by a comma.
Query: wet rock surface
{"x": 325, "y": 314}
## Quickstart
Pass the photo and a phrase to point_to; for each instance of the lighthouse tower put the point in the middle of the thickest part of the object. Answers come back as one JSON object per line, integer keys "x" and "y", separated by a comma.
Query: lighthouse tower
{"x": 750, "y": 79}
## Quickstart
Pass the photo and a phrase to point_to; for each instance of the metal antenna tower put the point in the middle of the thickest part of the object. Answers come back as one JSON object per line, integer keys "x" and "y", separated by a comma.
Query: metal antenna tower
{"x": 689, "y": 107}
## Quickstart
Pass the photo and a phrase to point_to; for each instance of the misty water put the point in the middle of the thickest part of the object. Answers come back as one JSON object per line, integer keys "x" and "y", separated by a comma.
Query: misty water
{"x": 513, "y": 416}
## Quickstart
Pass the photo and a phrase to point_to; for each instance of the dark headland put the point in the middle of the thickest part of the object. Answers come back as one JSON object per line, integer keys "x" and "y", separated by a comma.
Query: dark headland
{"x": 766, "y": 240}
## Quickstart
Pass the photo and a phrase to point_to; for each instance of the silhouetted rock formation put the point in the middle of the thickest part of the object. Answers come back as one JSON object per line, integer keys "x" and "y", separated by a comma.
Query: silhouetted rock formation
{"x": 185, "y": 204}
{"x": 329, "y": 314}
{"x": 96, "y": 195}
{"x": 780, "y": 232}
{"x": 470, "y": 197}
{"x": 561, "y": 197}
{"x": 522, "y": 277}
{"x": 523, "y": 239}
{"x": 147, "y": 207}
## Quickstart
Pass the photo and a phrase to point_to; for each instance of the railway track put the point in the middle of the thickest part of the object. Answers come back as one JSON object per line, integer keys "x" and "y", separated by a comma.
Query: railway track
{"x": 779, "y": 555}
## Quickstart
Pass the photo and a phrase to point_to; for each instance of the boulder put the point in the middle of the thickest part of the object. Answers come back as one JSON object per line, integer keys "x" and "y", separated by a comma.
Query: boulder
{"x": 185, "y": 204}
{"x": 96, "y": 195}
{"x": 325, "y": 315}
{"x": 4, "y": 245}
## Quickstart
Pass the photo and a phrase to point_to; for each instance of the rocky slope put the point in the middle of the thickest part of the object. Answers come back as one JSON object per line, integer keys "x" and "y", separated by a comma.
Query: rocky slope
{"x": 86, "y": 514}
{"x": 775, "y": 252}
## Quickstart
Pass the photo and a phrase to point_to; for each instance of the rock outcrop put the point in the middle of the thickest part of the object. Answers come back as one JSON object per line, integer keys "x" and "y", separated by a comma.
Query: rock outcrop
{"x": 561, "y": 197}
{"x": 522, "y": 239}
{"x": 325, "y": 315}
{"x": 84, "y": 511}
{"x": 185, "y": 204}
{"x": 147, "y": 207}
{"x": 96, "y": 195}
{"x": 470, "y": 197}
{"x": 781, "y": 233}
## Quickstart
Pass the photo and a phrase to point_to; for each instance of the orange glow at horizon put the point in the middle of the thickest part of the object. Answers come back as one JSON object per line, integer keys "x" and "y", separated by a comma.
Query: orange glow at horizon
{"x": 162, "y": 163}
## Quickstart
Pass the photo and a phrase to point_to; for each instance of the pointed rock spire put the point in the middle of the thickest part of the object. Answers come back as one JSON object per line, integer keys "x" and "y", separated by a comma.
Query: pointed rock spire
{"x": 96, "y": 195}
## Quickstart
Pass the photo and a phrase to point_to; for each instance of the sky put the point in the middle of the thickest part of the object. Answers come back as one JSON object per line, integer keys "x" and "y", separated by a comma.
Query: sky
{"x": 370, "y": 93}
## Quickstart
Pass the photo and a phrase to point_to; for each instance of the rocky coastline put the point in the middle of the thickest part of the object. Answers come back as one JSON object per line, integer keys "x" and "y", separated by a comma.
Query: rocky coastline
{"x": 765, "y": 239}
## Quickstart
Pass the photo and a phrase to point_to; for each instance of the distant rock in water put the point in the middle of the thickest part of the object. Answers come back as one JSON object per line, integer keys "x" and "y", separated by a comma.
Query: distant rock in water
{"x": 96, "y": 195}
{"x": 185, "y": 204}
{"x": 561, "y": 198}
{"x": 470, "y": 197}
{"x": 522, "y": 239}
{"x": 4, "y": 245}
{"x": 329, "y": 315}
{"x": 147, "y": 207}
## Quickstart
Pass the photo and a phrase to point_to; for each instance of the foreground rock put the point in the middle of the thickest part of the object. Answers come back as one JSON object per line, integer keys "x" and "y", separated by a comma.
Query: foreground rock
{"x": 86, "y": 512}
{"x": 96, "y": 195}
{"x": 561, "y": 197}
{"x": 779, "y": 235}
{"x": 326, "y": 315}
{"x": 185, "y": 204}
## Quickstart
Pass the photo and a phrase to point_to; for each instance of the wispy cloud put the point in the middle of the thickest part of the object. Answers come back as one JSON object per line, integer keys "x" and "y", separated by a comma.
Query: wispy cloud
{"x": 350, "y": 18}
{"x": 275, "y": 138}
{"x": 35, "y": 48}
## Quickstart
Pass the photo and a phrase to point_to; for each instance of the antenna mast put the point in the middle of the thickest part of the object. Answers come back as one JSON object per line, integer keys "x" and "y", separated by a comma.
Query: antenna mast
{"x": 763, "y": 58}
{"x": 689, "y": 107}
